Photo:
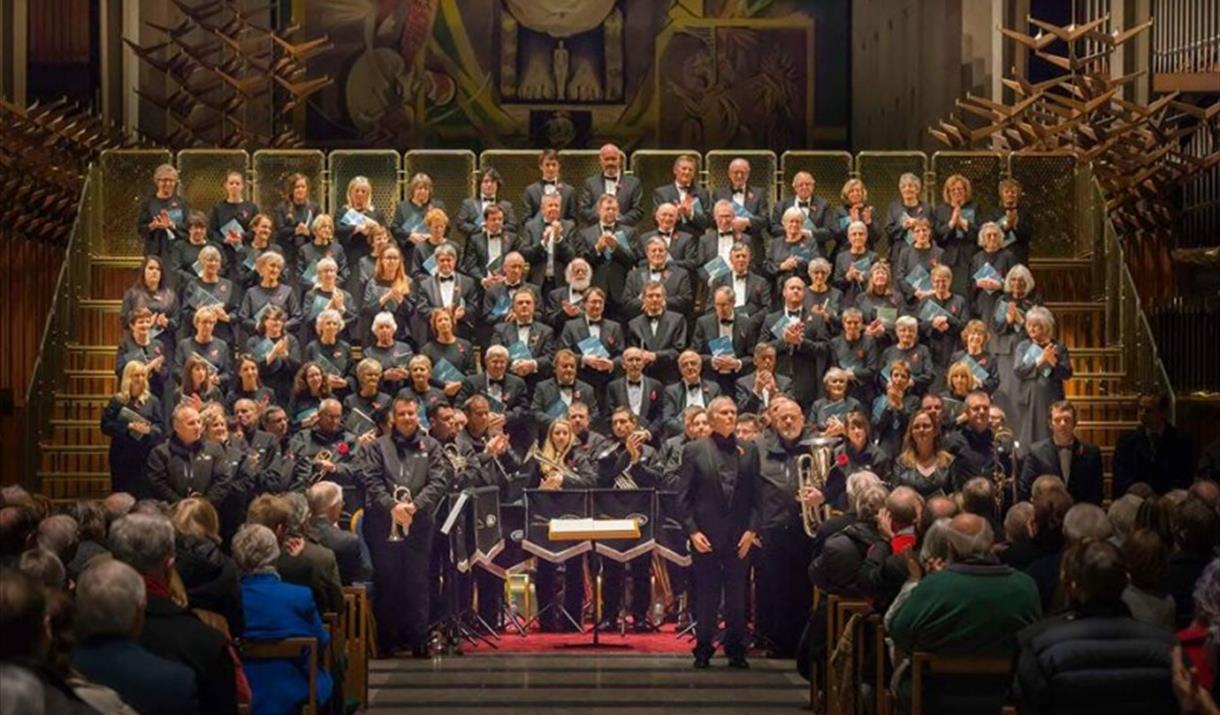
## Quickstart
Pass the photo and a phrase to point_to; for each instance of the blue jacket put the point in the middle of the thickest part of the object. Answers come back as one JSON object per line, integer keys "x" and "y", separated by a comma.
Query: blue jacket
{"x": 275, "y": 610}
{"x": 148, "y": 683}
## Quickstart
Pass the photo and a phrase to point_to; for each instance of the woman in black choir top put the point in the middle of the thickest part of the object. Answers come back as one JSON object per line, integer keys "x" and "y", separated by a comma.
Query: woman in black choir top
{"x": 408, "y": 226}
{"x": 151, "y": 290}
{"x": 852, "y": 265}
{"x": 957, "y": 223}
{"x": 959, "y": 382}
{"x": 437, "y": 225}
{"x": 941, "y": 317}
{"x": 327, "y": 294}
{"x": 133, "y": 420}
{"x": 331, "y": 353}
{"x": 790, "y": 254}
{"x": 309, "y": 388}
{"x": 212, "y": 290}
{"x": 880, "y": 304}
{"x": 388, "y": 292}
{"x": 829, "y": 414}
{"x": 1014, "y": 220}
{"x": 322, "y": 246}
{"x": 916, "y": 262}
{"x": 923, "y": 464}
{"x": 855, "y": 453}
{"x": 204, "y": 344}
{"x": 393, "y": 355}
{"x": 248, "y": 384}
{"x": 1007, "y": 324}
{"x": 419, "y": 386}
{"x": 1041, "y": 364}
{"x": 447, "y": 346}
{"x": 364, "y": 405}
{"x": 138, "y": 344}
{"x": 245, "y": 271}
{"x": 356, "y": 217}
{"x": 854, "y": 207}
{"x": 908, "y": 349}
{"x": 856, "y": 353}
{"x": 987, "y": 270}
{"x": 821, "y": 297}
{"x": 269, "y": 292}
{"x": 184, "y": 255}
{"x": 900, "y": 218}
{"x": 229, "y": 226}
{"x": 162, "y": 219}
{"x": 278, "y": 353}
{"x": 294, "y": 216}
{"x": 197, "y": 386}
{"x": 379, "y": 238}
{"x": 975, "y": 339}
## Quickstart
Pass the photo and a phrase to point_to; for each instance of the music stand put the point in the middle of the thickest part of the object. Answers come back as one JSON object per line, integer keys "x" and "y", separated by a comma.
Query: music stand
{"x": 541, "y": 506}
{"x": 456, "y": 528}
{"x": 673, "y": 546}
{"x": 636, "y": 504}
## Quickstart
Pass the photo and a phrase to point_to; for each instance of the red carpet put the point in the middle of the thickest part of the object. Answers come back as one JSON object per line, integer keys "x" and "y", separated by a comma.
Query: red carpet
{"x": 663, "y": 641}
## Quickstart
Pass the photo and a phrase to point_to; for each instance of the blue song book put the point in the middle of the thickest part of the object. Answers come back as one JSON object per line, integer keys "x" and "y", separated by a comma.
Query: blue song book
{"x": 715, "y": 268}
{"x": 979, "y": 372}
{"x": 987, "y": 272}
{"x": 353, "y": 218}
{"x": 592, "y": 347}
{"x": 430, "y": 264}
{"x": 519, "y": 351}
{"x": 779, "y": 326}
{"x": 233, "y": 226}
{"x": 558, "y": 409}
{"x": 862, "y": 264}
{"x": 318, "y": 305}
{"x": 740, "y": 211}
{"x": 445, "y": 372}
{"x": 721, "y": 346}
{"x": 932, "y": 310}
{"x": 919, "y": 278}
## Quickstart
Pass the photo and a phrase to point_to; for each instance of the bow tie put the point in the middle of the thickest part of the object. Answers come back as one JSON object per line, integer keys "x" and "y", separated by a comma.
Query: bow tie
{"x": 693, "y": 388}
{"x": 607, "y": 177}
{"x": 728, "y": 234}
{"x": 635, "y": 383}
{"x": 654, "y": 318}
{"x": 510, "y": 287}
{"x": 489, "y": 199}
{"x": 726, "y": 322}
{"x": 493, "y": 381}
{"x": 739, "y": 190}
{"x": 793, "y": 313}
{"x": 550, "y": 182}
{"x": 687, "y": 189}
{"x": 741, "y": 276}
{"x": 490, "y": 236}
{"x": 665, "y": 234}
{"x": 803, "y": 204}
{"x": 566, "y": 387}
{"x": 607, "y": 229}
{"x": 595, "y": 322}
{"x": 525, "y": 325}
{"x": 445, "y": 279}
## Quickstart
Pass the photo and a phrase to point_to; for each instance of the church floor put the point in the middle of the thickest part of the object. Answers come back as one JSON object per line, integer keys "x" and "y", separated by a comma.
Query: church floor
{"x": 589, "y": 684}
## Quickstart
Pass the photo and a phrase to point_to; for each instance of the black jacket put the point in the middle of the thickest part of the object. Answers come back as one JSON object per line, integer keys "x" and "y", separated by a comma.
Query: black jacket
{"x": 836, "y": 569}
{"x": 1085, "y": 480}
{"x": 718, "y": 489}
{"x": 173, "y": 632}
{"x": 176, "y": 470}
{"x": 210, "y": 578}
{"x": 351, "y": 558}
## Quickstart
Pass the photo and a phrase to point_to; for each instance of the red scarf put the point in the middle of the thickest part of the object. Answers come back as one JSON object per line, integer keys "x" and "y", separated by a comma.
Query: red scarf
{"x": 156, "y": 587}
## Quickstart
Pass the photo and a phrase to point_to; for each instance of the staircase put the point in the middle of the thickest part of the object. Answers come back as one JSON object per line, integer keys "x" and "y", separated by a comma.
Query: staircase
{"x": 74, "y": 461}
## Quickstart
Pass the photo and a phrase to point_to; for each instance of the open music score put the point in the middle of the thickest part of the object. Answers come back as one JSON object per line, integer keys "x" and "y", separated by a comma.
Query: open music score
{"x": 593, "y": 529}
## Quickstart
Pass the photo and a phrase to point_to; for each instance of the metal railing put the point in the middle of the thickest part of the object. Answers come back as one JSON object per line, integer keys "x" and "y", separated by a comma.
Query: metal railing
{"x": 49, "y": 374}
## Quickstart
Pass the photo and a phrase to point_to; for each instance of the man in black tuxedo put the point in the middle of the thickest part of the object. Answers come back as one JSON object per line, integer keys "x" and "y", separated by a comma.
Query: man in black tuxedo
{"x": 472, "y": 214}
{"x": 612, "y": 181}
{"x": 553, "y": 397}
{"x": 749, "y": 205}
{"x": 719, "y": 239}
{"x": 1156, "y": 452}
{"x": 682, "y": 246}
{"x": 660, "y": 333}
{"x": 692, "y": 389}
{"x": 595, "y": 369}
{"x": 550, "y": 183}
{"x": 505, "y": 393}
{"x": 606, "y": 245}
{"x": 815, "y": 209}
{"x": 1077, "y": 463}
{"x": 725, "y": 322}
{"x": 566, "y": 302}
{"x": 498, "y": 292}
{"x": 756, "y": 391}
{"x": 548, "y": 242}
{"x": 718, "y": 496}
{"x": 637, "y": 392}
{"x": 487, "y": 247}
{"x": 679, "y": 296}
{"x": 802, "y": 349}
{"x": 449, "y": 289}
{"x": 693, "y": 203}
{"x": 536, "y": 336}
{"x": 751, "y": 292}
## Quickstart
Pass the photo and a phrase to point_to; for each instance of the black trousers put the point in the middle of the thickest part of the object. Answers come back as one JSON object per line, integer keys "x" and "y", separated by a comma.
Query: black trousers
{"x": 547, "y": 585}
{"x": 782, "y": 589}
{"x": 401, "y": 581}
{"x": 613, "y": 574}
{"x": 717, "y": 574}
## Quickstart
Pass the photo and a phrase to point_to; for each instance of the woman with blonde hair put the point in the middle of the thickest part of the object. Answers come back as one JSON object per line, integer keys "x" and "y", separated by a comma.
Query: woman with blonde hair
{"x": 356, "y": 217}
{"x": 880, "y": 305}
{"x": 389, "y": 291}
{"x": 956, "y": 223}
{"x": 982, "y": 364}
{"x": 437, "y": 224}
{"x": 923, "y": 464}
{"x": 409, "y": 222}
{"x": 208, "y": 574}
{"x": 134, "y": 421}
{"x": 854, "y": 207}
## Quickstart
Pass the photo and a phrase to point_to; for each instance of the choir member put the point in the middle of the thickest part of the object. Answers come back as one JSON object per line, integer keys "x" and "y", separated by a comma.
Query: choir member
{"x": 854, "y": 207}
{"x": 923, "y": 464}
{"x": 984, "y": 367}
{"x": 309, "y": 388}
{"x": 211, "y": 289}
{"x": 530, "y": 343}
{"x": 725, "y": 340}
{"x": 679, "y": 295}
{"x": 909, "y": 350}
{"x": 138, "y": 344}
{"x": 206, "y": 346}
{"x": 855, "y": 352}
{"x": 229, "y": 225}
{"x": 987, "y": 270}
{"x": 1041, "y": 364}
{"x": 637, "y": 392}
{"x": 660, "y": 333}
{"x": 472, "y": 214}
{"x": 821, "y": 298}
{"x": 330, "y": 351}
{"x": 184, "y": 255}
{"x": 295, "y": 215}
{"x": 197, "y": 385}
{"x": 682, "y": 246}
{"x": 606, "y": 245}
{"x": 486, "y": 248}
{"x": 566, "y": 302}
{"x": 751, "y": 292}
{"x": 589, "y": 330}
{"x": 941, "y": 317}
{"x": 269, "y": 293}
{"x": 856, "y": 453}
{"x": 828, "y": 415}
{"x": 614, "y": 181}
{"x": 956, "y": 225}
{"x": 392, "y": 354}
{"x": 277, "y": 351}
{"x": 244, "y": 268}
{"x": 367, "y": 401}
{"x": 1008, "y": 326}
{"x": 357, "y": 217}
{"x": 690, "y": 389}
{"x": 1014, "y": 220}
{"x": 549, "y": 184}
{"x": 408, "y": 225}
{"x": 756, "y": 391}
{"x": 378, "y": 238}
{"x": 815, "y": 214}
{"x": 151, "y": 290}
{"x": 323, "y": 245}
{"x": 419, "y": 387}
{"x": 548, "y": 241}
{"x": 692, "y": 203}
{"x": 423, "y": 261}
{"x": 248, "y": 384}
{"x": 162, "y": 218}
{"x": 133, "y": 421}
{"x": 902, "y": 214}
{"x": 446, "y": 289}
{"x": 326, "y": 294}
{"x": 801, "y": 339}
{"x": 452, "y": 357}
{"x": 914, "y": 267}
{"x": 749, "y": 204}
{"x": 852, "y": 265}
{"x": 388, "y": 292}
{"x": 880, "y": 305}
{"x": 892, "y": 409}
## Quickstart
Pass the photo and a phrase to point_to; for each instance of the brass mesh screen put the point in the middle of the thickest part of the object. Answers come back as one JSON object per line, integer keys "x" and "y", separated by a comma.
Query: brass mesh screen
{"x": 983, "y": 168}
{"x": 203, "y": 175}
{"x": 452, "y": 173}
{"x": 655, "y": 167}
{"x": 271, "y": 170}
{"x": 1049, "y": 183}
{"x": 126, "y": 180}
{"x": 518, "y": 169}
{"x": 580, "y": 164}
{"x": 880, "y": 171}
{"x": 830, "y": 169}
{"x": 379, "y": 167}
{"x": 763, "y": 165}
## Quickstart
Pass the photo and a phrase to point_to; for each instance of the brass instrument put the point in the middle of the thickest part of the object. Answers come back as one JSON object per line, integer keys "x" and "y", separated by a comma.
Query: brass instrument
{"x": 457, "y": 460}
{"x": 999, "y": 475}
{"x": 398, "y": 532}
{"x": 315, "y": 470}
{"x": 550, "y": 466}
{"x": 812, "y": 471}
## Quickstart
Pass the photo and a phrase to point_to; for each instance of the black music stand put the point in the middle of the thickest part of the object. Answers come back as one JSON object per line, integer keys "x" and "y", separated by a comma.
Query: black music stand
{"x": 673, "y": 545}
{"x": 510, "y": 559}
{"x": 637, "y": 504}
{"x": 454, "y": 626}
{"x": 540, "y": 507}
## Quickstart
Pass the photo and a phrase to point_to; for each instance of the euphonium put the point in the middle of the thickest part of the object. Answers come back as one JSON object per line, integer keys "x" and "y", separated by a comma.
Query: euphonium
{"x": 812, "y": 471}
{"x": 398, "y": 532}
{"x": 315, "y": 471}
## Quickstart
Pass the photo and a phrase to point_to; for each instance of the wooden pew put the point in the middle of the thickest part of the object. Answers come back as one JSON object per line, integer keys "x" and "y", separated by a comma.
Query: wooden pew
{"x": 923, "y": 664}
{"x": 288, "y": 649}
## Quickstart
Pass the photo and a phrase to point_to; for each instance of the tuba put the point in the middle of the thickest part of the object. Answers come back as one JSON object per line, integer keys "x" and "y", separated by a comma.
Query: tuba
{"x": 812, "y": 470}
{"x": 398, "y": 532}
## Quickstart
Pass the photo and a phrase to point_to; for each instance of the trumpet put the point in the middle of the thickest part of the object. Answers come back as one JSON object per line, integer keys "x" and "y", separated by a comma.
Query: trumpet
{"x": 812, "y": 471}
{"x": 398, "y": 532}
{"x": 315, "y": 471}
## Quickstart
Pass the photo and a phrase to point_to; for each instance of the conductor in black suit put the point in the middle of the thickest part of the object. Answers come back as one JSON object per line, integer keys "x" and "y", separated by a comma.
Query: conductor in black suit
{"x": 718, "y": 496}
{"x": 1156, "y": 452}
{"x": 1077, "y": 463}
{"x": 612, "y": 181}
{"x": 693, "y": 203}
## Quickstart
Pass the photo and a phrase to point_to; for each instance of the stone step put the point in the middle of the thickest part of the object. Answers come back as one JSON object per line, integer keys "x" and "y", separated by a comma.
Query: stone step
{"x": 74, "y": 458}
{"x": 92, "y": 382}
{"x": 77, "y": 432}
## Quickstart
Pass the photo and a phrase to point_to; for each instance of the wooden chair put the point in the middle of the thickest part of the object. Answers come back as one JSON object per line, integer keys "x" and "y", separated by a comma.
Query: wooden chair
{"x": 924, "y": 664}
{"x": 288, "y": 649}
{"x": 359, "y": 644}
{"x": 839, "y": 612}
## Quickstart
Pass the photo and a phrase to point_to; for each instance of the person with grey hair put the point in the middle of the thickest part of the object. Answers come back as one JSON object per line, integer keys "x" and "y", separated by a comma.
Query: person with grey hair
{"x": 446, "y": 288}
{"x": 751, "y": 291}
{"x": 146, "y": 543}
{"x": 110, "y": 603}
{"x": 692, "y": 203}
{"x": 974, "y": 605}
{"x": 661, "y": 334}
{"x": 902, "y": 213}
{"x": 749, "y": 204}
{"x": 327, "y": 294}
{"x": 325, "y": 508}
{"x": 23, "y": 691}
{"x": 59, "y": 534}
{"x": 186, "y": 464}
{"x": 1041, "y": 365}
{"x": 44, "y": 567}
{"x": 836, "y": 569}
{"x": 1121, "y": 514}
{"x": 658, "y": 266}
{"x": 274, "y": 610}
{"x": 1018, "y": 533}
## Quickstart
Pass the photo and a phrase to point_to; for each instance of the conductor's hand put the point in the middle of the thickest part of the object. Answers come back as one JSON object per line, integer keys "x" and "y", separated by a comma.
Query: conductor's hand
{"x": 747, "y": 541}
{"x": 700, "y": 542}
